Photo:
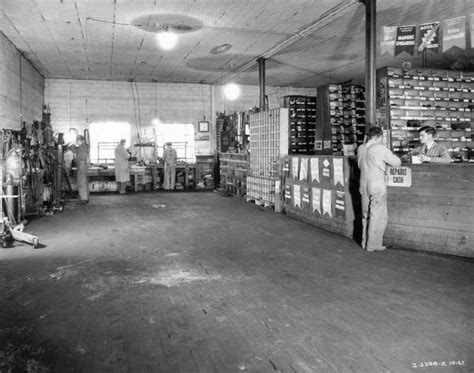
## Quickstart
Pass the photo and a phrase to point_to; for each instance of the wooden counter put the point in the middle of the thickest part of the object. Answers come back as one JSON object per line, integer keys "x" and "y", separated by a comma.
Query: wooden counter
{"x": 319, "y": 190}
{"x": 436, "y": 213}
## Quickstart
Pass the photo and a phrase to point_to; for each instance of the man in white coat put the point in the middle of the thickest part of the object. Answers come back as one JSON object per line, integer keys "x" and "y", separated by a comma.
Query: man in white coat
{"x": 373, "y": 158}
{"x": 169, "y": 158}
{"x": 122, "y": 172}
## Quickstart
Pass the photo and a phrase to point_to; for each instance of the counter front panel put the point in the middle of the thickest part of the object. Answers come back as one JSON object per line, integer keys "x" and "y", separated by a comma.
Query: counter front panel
{"x": 436, "y": 213}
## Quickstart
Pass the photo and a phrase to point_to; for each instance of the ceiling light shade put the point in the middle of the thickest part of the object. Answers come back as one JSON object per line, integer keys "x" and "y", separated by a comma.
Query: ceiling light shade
{"x": 232, "y": 91}
{"x": 167, "y": 40}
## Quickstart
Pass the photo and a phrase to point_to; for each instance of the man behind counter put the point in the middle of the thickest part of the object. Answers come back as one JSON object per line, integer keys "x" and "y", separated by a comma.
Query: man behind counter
{"x": 430, "y": 151}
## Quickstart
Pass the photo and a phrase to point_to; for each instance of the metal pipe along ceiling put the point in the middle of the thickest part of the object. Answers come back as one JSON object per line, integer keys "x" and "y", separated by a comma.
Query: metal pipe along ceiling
{"x": 335, "y": 12}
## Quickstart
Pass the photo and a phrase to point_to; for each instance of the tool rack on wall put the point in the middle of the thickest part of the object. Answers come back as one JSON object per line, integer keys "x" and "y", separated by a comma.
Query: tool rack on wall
{"x": 31, "y": 175}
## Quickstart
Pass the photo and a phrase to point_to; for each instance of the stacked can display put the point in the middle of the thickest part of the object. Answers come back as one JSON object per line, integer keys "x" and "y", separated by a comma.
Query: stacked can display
{"x": 233, "y": 172}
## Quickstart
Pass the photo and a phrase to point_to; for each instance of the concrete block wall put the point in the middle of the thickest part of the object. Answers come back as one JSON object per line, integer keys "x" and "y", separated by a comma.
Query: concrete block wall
{"x": 75, "y": 103}
{"x": 21, "y": 87}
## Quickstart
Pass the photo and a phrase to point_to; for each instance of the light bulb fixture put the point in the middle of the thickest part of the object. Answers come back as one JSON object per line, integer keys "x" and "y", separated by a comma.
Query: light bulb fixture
{"x": 166, "y": 39}
{"x": 232, "y": 91}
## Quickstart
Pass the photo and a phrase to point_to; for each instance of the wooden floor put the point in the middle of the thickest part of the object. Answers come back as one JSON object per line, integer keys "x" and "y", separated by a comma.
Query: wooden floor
{"x": 202, "y": 283}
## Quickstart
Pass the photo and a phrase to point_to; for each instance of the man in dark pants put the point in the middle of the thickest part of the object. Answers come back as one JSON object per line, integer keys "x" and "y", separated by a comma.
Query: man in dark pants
{"x": 81, "y": 150}
{"x": 373, "y": 158}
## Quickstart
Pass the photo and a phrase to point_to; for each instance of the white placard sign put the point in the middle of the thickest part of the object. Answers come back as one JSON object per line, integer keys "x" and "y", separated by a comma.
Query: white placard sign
{"x": 399, "y": 177}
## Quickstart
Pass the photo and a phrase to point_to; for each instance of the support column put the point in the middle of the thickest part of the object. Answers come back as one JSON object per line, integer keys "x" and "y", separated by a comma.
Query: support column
{"x": 261, "y": 81}
{"x": 370, "y": 62}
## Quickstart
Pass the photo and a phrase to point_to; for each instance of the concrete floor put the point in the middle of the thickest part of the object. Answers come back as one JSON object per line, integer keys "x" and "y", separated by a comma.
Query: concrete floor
{"x": 201, "y": 283}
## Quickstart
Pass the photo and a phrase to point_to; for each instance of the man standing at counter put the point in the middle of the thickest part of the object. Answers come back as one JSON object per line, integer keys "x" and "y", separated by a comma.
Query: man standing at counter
{"x": 430, "y": 151}
{"x": 373, "y": 158}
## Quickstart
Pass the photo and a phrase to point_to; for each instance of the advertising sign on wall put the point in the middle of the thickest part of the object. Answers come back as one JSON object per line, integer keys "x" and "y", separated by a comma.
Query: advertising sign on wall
{"x": 405, "y": 41}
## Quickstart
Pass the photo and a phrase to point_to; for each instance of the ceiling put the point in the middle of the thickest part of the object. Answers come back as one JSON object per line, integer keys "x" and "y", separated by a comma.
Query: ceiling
{"x": 307, "y": 42}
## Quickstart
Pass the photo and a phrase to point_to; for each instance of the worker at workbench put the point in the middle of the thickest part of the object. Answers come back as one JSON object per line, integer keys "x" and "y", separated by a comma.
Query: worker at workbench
{"x": 169, "y": 158}
{"x": 81, "y": 150}
{"x": 122, "y": 172}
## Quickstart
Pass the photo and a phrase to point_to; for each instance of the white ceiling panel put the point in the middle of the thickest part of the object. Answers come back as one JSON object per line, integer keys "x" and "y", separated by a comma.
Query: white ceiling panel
{"x": 96, "y": 39}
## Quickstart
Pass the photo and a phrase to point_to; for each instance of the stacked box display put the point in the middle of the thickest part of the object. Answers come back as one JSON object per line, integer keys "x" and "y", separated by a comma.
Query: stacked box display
{"x": 234, "y": 168}
{"x": 340, "y": 121}
{"x": 302, "y": 122}
{"x": 410, "y": 98}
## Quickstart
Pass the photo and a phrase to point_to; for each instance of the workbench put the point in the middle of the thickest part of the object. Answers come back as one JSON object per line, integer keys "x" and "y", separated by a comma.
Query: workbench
{"x": 138, "y": 174}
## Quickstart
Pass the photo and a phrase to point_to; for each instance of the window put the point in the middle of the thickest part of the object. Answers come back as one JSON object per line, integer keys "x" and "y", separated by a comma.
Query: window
{"x": 104, "y": 137}
{"x": 180, "y": 134}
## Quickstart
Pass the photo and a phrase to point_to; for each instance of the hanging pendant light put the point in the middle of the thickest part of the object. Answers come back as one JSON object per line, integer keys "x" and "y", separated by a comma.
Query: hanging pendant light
{"x": 232, "y": 91}
{"x": 166, "y": 39}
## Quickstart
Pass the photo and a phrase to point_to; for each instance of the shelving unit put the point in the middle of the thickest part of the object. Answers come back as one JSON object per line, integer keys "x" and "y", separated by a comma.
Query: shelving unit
{"x": 302, "y": 122}
{"x": 234, "y": 168}
{"x": 340, "y": 119}
{"x": 444, "y": 98}
{"x": 268, "y": 144}
{"x": 268, "y": 141}
{"x": 205, "y": 172}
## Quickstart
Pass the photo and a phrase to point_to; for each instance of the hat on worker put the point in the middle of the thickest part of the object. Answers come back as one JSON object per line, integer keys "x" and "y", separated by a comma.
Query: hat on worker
{"x": 168, "y": 143}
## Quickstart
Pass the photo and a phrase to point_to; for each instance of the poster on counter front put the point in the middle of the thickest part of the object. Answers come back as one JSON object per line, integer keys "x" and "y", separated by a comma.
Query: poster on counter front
{"x": 389, "y": 35}
{"x": 294, "y": 167}
{"x": 305, "y": 198}
{"x": 288, "y": 193}
{"x": 326, "y": 170}
{"x": 286, "y": 165}
{"x": 340, "y": 203}
{"x": 454, "y": 33}
{"x": 428, "y": 37}
{"x": 338, "y": 164}
{"x": 327, "y": 202}
{"x": 304, "y": 169}
{"x": 297, "y": 195}
{"x": 405, "y": 41}
{"x": 316, "y": 200}
{"x": 314, "y": 170}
